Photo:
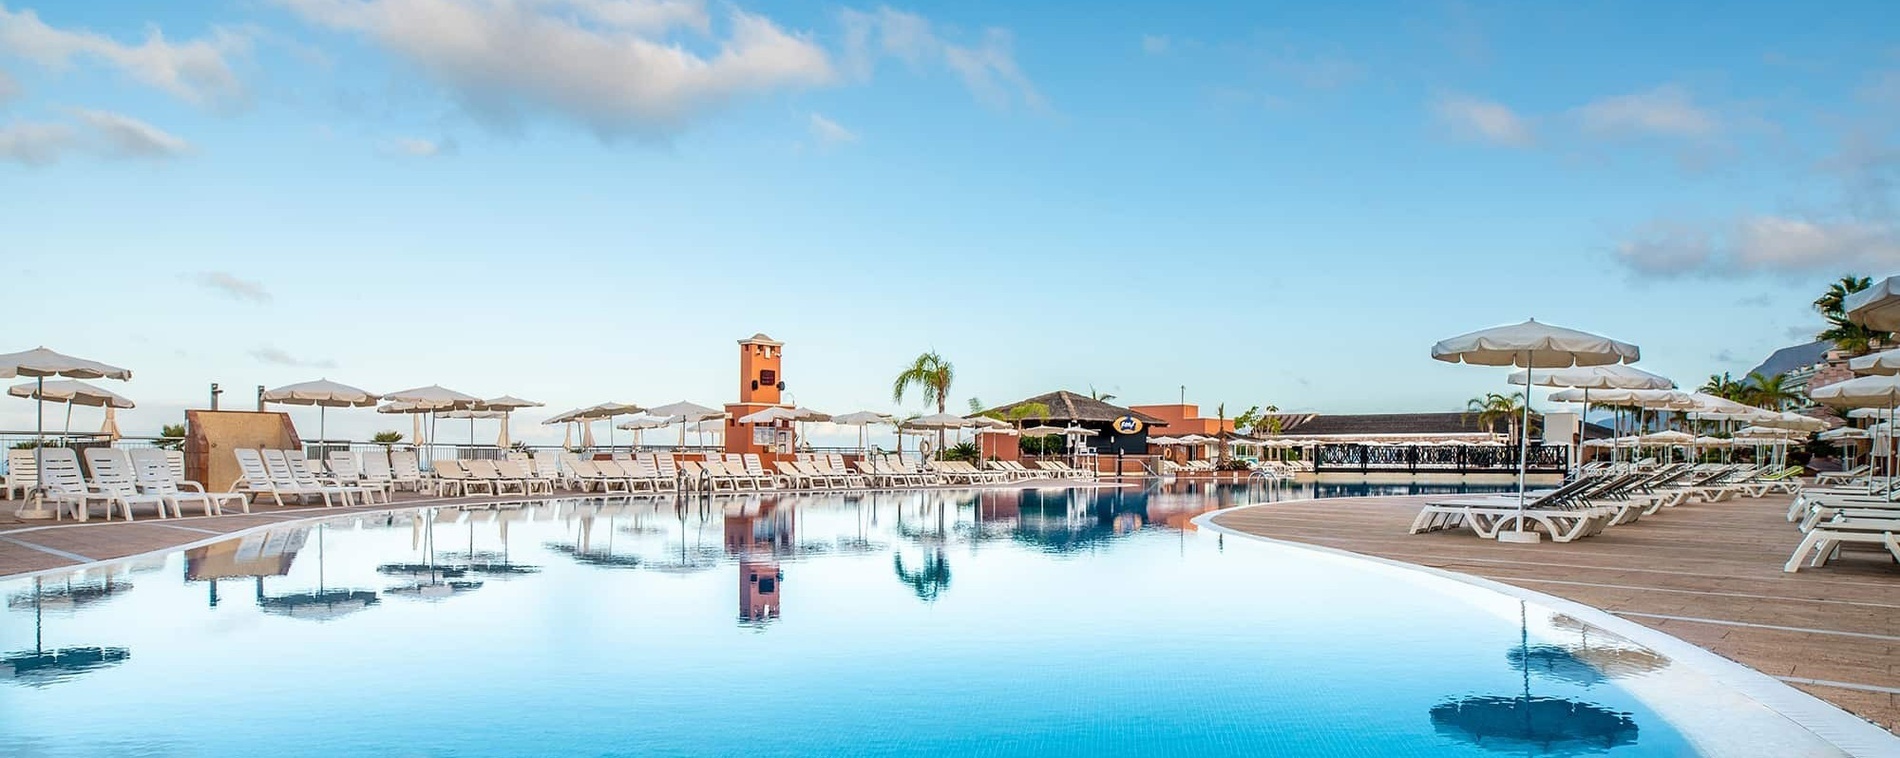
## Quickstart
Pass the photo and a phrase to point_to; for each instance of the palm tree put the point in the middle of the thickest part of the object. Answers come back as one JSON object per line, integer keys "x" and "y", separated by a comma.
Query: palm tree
{"x": 1846, "y": 335}
{"x": 1493, "y": 407}
{"x": 1725, "y": 387}
{"x": 931, "y": 375}
{"x": 1102, "y": 396}
{"x": 1768, "y": 392}
{"x": 928, "y": 582}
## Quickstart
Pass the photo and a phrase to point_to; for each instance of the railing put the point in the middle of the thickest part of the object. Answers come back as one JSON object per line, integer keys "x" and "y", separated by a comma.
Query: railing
{"x": 1447, "y": 459}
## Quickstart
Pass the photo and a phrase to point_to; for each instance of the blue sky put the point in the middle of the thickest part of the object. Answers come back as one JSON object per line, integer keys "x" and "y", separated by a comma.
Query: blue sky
{"x": 583, "y": 200}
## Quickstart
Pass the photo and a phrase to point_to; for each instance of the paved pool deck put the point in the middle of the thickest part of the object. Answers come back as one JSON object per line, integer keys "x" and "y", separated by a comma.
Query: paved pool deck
{"x": 1707, "y": 573}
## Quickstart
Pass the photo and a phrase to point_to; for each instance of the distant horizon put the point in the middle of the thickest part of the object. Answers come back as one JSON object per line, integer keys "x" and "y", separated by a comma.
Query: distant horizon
{"x": 1269, "y": 205}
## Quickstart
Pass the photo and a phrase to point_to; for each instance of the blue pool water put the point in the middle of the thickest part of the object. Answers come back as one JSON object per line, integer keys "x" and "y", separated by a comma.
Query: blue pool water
{"x": 927, "y": 623}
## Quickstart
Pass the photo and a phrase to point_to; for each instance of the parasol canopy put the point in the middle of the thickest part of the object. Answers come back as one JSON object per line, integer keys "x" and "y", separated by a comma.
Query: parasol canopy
{"x": 1877, "y": 307}
{"x": 1610, "y": 377}
{"x": 1534, "y": 345}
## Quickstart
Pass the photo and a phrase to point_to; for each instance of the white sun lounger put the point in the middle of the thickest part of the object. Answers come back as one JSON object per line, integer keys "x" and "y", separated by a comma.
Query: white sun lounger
{"x": 156, "y": 476}
{"x": 1825, "y": 540}
{"x": 114, "y": 483}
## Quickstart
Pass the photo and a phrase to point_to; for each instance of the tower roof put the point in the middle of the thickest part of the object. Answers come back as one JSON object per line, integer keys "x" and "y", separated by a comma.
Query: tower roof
{"x": 761, "y": 339}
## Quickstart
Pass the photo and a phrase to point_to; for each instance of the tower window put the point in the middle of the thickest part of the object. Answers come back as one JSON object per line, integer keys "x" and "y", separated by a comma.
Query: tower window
{"x": 768, "y": 377}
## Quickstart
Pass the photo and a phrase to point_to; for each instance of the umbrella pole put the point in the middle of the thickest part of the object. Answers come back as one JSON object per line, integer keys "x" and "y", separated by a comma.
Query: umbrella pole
{"x": 323, "y": 423}
{"x": 67, "y": 435}
{"x": 1524, "y": 437}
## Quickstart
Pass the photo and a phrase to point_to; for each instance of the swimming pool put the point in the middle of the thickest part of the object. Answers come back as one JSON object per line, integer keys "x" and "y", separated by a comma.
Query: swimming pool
{"x": 1048, "y": 622}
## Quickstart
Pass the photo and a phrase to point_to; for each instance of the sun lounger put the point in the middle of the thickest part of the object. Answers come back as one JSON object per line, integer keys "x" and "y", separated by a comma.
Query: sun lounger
{"x": 452, "y": 476}
{"x": 343, "y": 469}
{"x": 1827, "y": 478}
{"x": 1488, "y": 515}
{"x": 484, "y": 470}
{"x": 301, "y": 472}
{"x": 61, "y": 483}
{"x": 547, "y": 465}
{"x": 22, "y": 473}
{"x": 406, "y": 472}
{"x": 113, "y": 483}
{"x": 1825, "y": 540}
{"x": 155, "y": 476}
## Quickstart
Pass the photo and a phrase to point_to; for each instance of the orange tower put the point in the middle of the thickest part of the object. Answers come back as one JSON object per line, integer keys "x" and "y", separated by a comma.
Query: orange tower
{"x": 761, "y": 384}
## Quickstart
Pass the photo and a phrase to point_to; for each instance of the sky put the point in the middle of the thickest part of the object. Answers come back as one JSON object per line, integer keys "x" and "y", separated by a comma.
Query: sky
{"x": 577, "y": 201}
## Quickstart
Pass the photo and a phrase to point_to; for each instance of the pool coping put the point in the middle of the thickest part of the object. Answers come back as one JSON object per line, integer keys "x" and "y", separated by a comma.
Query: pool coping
{"x": 1845, "y": 731}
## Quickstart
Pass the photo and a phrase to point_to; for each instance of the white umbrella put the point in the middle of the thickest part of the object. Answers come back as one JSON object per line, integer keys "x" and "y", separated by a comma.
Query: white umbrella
{"x": 861, "y": 420}
{"x": 1042, "y": 431}
{"x": 110, "y": 429}
{"x": 41, "y": 363}
{"x": 1877, "y": 307}
{"x": 435, "y": 397}
{"x": 1532, "y": 345}
{"x": 432, "y": 399}
{"x": 324, "y": 394}
{"x": 685, "y": 413}
{"x": 639, "y": 423}
{"x": 1884, "y": 363}
{"x": 771, "y": 415}
{"x": 71, "y": 392}
{"x": 1612, "y": 377}
{"x": 507, "y": 404}
{"x": 1844, "y": 433}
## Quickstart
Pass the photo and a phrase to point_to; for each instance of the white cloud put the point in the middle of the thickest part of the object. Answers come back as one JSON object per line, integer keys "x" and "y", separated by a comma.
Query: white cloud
{"x": 502, "y": 59}
{"x": 988, "y": 69}
{"x": 196, "y": 71}
{"x": 639, "y": 15}
{"x": 1156, "y": 44}
{"x": 1483, "y": 120}
{"x": 128, "y": 137}
{"x": 416, "y": 147}
{"x": 828, "y": 132}
{"x": 1310, "y": 70}
{"x": 9, "y": 88}
{"x": 105, "y": 134}
{"x": 278, "y": 357}
{"x": 233, "y": 287}
{"x": 1765, "y": 244}
{"x": 1666, "y": 111}
{"x": 35, "y": 144}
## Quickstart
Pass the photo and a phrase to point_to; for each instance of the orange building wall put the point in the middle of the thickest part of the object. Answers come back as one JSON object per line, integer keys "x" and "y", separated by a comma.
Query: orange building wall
{"x": 1185, "y": 419}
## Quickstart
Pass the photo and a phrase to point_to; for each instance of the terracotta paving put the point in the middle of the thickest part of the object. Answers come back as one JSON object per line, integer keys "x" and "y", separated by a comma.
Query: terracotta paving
{"x": 1707, "y": 573}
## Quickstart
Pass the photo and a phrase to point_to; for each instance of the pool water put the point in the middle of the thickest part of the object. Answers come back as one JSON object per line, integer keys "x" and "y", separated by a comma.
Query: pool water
{"x": 1053, "y": 622}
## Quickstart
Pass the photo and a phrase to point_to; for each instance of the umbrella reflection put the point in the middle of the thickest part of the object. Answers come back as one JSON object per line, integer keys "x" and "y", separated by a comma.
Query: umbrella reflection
{"x": 432, "y": 590}
{"x": 1535, "y": 725}
{"x": 40, "y": 667}
{"x": 321, "y": 604}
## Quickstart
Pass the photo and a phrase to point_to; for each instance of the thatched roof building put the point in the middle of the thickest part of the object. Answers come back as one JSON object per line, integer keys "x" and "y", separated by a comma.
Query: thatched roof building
{"x": 1067, "y": 406}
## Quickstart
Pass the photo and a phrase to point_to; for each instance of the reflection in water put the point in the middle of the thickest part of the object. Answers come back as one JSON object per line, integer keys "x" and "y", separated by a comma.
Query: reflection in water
{"x": 40, "y": 667}
{"x": 1527, "y": 725}
{"x": 758, "y": 532}
{"x": 662, "y": 606}
{"x": 320, "y": 604}
{"x": 1532, "y": 725}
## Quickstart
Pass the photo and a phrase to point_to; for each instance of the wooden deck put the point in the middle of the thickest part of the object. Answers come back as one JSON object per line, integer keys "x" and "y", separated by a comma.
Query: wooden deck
{"x": 1706, "y": 573}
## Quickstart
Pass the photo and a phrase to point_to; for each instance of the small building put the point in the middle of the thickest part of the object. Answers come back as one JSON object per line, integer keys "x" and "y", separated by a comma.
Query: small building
{"x": 1117, "y": 430}
{"x": 761, "y": 386}
{"x": 1183, "y": 419}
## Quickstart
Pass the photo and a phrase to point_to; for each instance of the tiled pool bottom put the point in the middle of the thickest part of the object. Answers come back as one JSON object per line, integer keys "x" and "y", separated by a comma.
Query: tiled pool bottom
{"x": 1000, "y": 623}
